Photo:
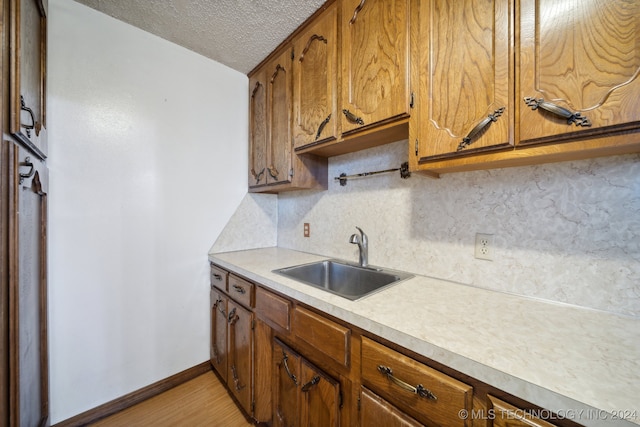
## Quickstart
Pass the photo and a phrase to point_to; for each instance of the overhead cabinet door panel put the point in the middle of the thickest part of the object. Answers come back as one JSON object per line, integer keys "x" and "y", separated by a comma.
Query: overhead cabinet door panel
{"x": 465, "y": 65}
{"x": 375, "y": 43}
{"x": 580, "y": 61}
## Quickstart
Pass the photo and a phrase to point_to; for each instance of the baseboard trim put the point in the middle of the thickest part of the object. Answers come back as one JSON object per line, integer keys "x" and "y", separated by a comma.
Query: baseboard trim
{"x": 128, "y": 400}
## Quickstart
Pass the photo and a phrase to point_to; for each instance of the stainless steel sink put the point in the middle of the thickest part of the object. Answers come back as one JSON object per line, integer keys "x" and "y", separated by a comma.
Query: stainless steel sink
{"x": 344, "y": 279}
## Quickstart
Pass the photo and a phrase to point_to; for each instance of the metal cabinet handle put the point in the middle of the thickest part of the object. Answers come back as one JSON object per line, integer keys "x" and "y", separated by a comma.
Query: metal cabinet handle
{"x": 27, "y": 163}
{"x": 257, "y": 176}
{"x": 322, "y": 125}
{"x": 315, "y": 380}
{"x": 285, "y": 358}
{"x": 420, "y": 390}
{"x": 34, "y": 124}
{"x": 575, "y": 118}
{"x": 467, "y": 140}
{"x": 273, "y": 172}
{"x": 239, "y": 289}
{"x": 352, "y": 117}
{"x": 233, "y": 317}
{"x": 236, "y": 380}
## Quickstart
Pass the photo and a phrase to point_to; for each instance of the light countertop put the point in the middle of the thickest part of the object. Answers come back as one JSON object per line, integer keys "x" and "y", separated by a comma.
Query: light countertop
{"x": 580, "y": 363}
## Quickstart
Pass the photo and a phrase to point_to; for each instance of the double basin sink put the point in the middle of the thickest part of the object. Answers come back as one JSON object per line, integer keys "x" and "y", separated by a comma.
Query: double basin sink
{"x": 347, "y": 280}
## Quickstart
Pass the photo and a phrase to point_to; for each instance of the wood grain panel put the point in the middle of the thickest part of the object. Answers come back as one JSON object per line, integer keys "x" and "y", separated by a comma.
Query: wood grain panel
{"x": 315, "y": 81}
{"x": 326, "y": 336}
{"x": 583, "y": 56}
{"x": 273, "y": 309}
{"x": 506, "y": 415}
{"x": 279, "y": 104}
{"x": 451, "y": 395}
{"x": 320, "y": 397}
{"x": 218, "y": 341}
{"x": 240, "y": 357}
{"x": 375, "y": 44}
{"x": 374, "y": 410}
{"x": 241, "y": 290}
{"x": 258, "y": 129}
{"x": 465, "y": 73}
{"x": 285, "y": 386}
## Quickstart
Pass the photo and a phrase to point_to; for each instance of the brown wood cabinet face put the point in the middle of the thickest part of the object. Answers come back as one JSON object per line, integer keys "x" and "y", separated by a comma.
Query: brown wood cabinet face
{"x": 320, "y": 399}
{"x": 464, "y": 100}
{"x": 424, "y": 393}
{"x": 25, "y": 376}
{"x": 285, "y": 386}
{"x": 506, "y": 415}
{"x": 375, "y": 411}
{"x": 581, "y": 59}
{"x": 218, "y": 350}
{"x": 315, "y": 81}
{"x": 240, "y": 357}
{"x": 279, "y": 105}
{"x": 28, "y": 53}
{"x": 258, "y": 129}
{"x": 375, "y": 62}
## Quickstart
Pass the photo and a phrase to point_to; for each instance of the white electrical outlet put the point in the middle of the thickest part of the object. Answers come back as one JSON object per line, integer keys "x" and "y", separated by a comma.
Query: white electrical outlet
{"x": 484, "y": 246}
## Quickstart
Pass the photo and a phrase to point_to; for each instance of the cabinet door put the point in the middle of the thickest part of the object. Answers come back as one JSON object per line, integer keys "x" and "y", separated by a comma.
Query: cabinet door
{"x": 258, "y": 135}
{"x": 320, "y": 398}
{"x": 285, "y": 386}
{"x": 28, "y": 74}
{"x": 24, "y": 288}
{"x": 506, "y": 415}
{"x": 375, "y": 62}
{"x": 374, "y": 410}
{"x": 240, "y": 358}
{"x": 464, "y": 98}
{"x": 315, "y": 77}
{"x": 218, "y": 350}
{"x": 579, "y": 68}
{"x": 279, "y": 106}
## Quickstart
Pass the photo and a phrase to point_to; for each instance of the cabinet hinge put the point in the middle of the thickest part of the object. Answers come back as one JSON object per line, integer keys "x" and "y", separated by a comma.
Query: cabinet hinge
{"x": 253, "y": 324}
{"x": 291, "y": 173}
{"x": 411, "y": 101}
{"x": 416, "y": 146}
{"x": 358, "y": 403}
{"x": 253, "y": 407}
{"x": 293, "y": 55}
{"x": 340, "y": 399}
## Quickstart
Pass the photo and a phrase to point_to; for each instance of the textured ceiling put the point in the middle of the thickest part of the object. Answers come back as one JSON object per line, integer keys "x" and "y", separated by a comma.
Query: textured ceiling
{"x": 237, "y": 33}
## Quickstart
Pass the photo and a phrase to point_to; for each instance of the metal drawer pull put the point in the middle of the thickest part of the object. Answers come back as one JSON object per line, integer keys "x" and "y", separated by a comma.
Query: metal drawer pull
{"x": 236, "y": 380}
{"x": 233, "y": 317}
{"x": 285, "y": 358}
{"x": 574, "y": 118}
{"x": 467, "y": 140}
{"x": 273, "y": 172}
{"x": 34, "y": 124}
{"x": 217, "y": 276}
{"x": 239, "y": 289}
{"x": 27, "y": 163}
{"x": 257, "y": 176}
{"x": 315, "y": 380}
{"x": 419, "y": 389}
{"x": 322, "y": 125}
{"x": 352, "y": 117}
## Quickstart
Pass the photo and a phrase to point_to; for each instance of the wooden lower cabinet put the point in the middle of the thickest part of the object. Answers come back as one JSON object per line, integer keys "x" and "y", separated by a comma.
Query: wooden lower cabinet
{"x": 506, "y": 415}
{"x": 218, "y": 344}
{"x": 303, "y": 394}
{"x": 240, "y": 363}
{"x": 375, "y": 411}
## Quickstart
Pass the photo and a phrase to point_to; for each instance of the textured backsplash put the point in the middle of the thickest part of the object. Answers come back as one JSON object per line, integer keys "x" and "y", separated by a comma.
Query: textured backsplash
{"x": 567, "y": 232}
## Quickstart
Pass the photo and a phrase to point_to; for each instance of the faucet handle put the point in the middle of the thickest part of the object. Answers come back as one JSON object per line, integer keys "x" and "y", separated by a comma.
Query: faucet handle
{"x": 362, "y": 234}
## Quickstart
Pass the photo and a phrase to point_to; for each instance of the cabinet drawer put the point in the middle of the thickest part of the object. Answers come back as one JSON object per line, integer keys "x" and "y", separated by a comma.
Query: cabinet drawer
{"x": 241, "y": 290}
{"x": 506, "y": 415}
{"x": 273, "y": 309}
{"x": 325, "y": 335}
{"x": 422, "y": 392}
{"x": 219, "y": 277}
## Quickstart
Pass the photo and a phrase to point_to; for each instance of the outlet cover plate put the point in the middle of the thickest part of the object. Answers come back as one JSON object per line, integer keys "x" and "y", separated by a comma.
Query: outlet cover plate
{"x": 484, "y": 246}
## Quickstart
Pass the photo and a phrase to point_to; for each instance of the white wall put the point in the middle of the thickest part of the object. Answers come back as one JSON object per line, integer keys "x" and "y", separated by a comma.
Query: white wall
{"x": 566, "y": 232}
{"x": 148, "y": 160}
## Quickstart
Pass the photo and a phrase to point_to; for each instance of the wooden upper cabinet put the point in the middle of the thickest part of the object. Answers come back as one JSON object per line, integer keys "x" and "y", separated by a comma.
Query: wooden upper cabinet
{"x": 28, "y": 55}
{"x": 579, "y": 68}
{"x": 375, "y": 62}
{"x": 464, "y": 99}
{"x": 258, "y": 129}
{"x": 315, "y": 92}
{"x": 279, "y": 105}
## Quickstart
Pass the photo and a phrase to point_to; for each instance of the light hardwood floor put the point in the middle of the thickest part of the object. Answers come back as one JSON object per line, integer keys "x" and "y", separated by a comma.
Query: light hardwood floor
{"x": 203, "y": 401}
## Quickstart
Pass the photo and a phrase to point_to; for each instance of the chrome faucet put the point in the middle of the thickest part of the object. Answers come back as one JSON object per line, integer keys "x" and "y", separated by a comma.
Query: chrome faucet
{"x": 363, "y": 245}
